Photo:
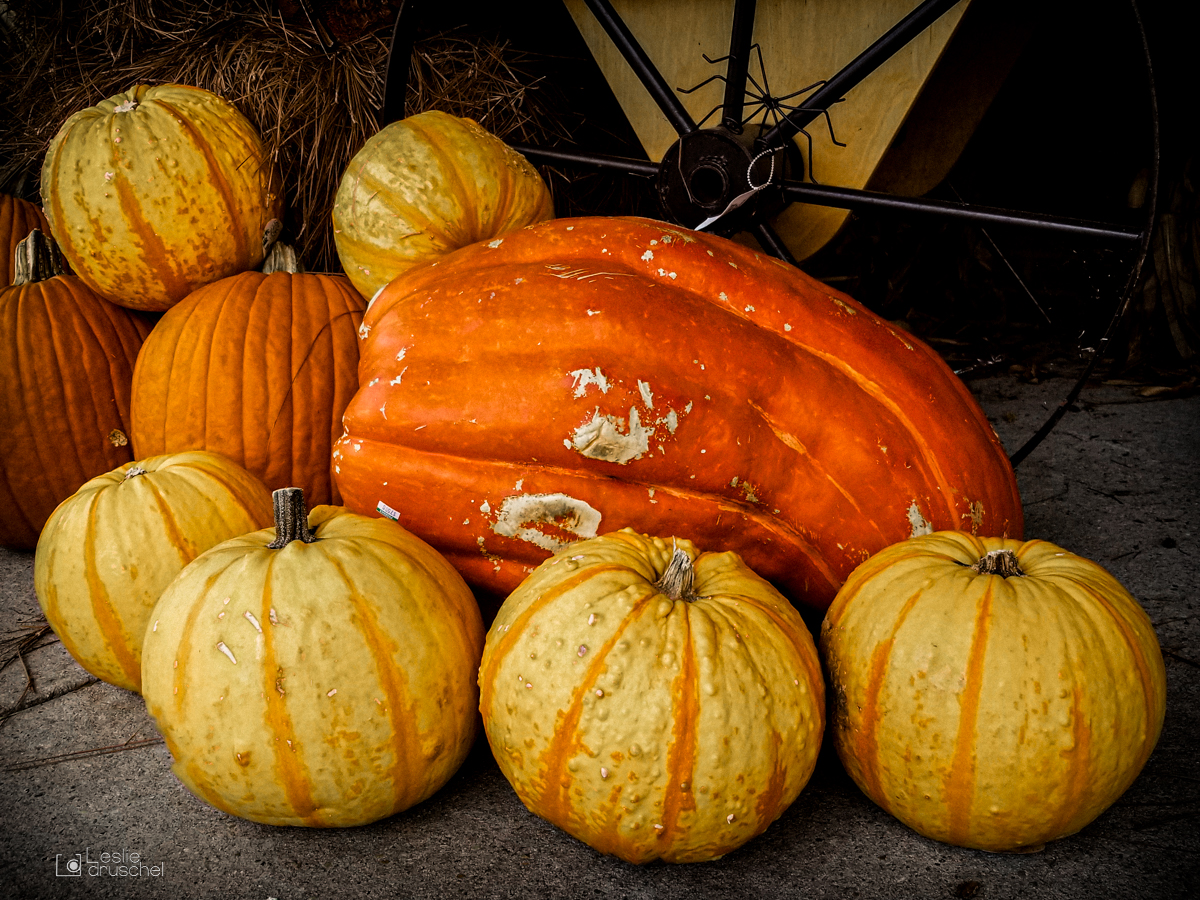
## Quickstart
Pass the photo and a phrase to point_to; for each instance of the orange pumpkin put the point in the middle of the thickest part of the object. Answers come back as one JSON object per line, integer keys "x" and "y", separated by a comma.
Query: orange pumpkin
{"x": 594, "y": 374}
{"x": 257, "y": 367}
{"x": 991, "y": 693}
{"x": 157, "y": 191}
{"x": 66, "y": 362}
{"x": 17, "y": 218}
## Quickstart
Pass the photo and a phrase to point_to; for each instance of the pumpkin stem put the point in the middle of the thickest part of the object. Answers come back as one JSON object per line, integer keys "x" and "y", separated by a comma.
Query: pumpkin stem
{"x": 134, "y": 471}
{"x": 291, "y": 518}
{"x": 998, "y": 562}
{"x": 676, "y": 581}
{"x": 271, "y": 235}
{"x": 281, "y": 258}
{"x": 36, "y": 259}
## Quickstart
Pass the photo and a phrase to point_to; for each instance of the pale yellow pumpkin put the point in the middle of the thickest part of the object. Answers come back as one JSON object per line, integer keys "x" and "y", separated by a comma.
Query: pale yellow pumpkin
{"x": 424, "y": 186}
{"x": 322, "y": 678}
{"x": 651, "y": 700}
{"x": 110, "y": 549}
{"x": 159, "y": 190}
{"x": 991, "y": 693}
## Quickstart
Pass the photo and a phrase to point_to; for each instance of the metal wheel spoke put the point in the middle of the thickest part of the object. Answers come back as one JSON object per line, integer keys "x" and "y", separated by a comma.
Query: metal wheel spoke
{"x": 647, "y": 73}
{"x": 740, "y": 39}
{"x": 858, "y": 69}
{"x": 848, "y": 198}
{"x": 395, "y": 81}
{"x": 575, "y": 157}
{"x": 773, "y": 243}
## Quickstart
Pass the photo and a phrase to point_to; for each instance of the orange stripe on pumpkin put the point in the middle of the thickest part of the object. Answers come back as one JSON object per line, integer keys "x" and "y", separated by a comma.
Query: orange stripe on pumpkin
{"x": 867, "y": 739}
{"x": 405, "y": 741}
{"x": 183, "y": 648}
{"x": 216, "y": 176}
{"x": 179, "y": 540}
{"x": 681, "y": 753}
{"x": 553, "y": 799}
{"x": 493, "y": 659}
{"x": 1079, "y": 770}
{"x": 959, "y": 785}
{"x": 1145, "y": 678}
{"x": 115, "y": 638}
{"x": 289, "y": 762}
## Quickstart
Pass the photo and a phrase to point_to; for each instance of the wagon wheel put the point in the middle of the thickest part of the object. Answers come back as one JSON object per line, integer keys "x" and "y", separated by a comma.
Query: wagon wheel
{"x": 735, "y": 176}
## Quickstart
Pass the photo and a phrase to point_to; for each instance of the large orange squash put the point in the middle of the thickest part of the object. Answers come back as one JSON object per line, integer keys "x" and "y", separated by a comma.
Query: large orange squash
{"x": 427, "y": 185}
{"x": 991, "y": 693}
{"x": 592, "y": 374}
{"x": 17, "y": 218}
{"x": 257, "y": 367}
{"x": 159, "y": 190}
{"x": 653, "y": 701}
{"x": 66, "y": 362}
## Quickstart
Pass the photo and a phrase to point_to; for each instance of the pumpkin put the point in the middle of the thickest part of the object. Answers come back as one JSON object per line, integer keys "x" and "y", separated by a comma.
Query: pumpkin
{"x": 991, "y": 693}
{"x": 258, "y": 367}
{"x": 424, "y": 186}
{"x": 653, "y": 701}
{"x": 66, "y": 362}
{"x": 586, "y": 375}
{"x": 321, "y": 677}
{"x": 111, "y": 548}
{"x": 17, "y": 218}
{"x": 156, "y": 191}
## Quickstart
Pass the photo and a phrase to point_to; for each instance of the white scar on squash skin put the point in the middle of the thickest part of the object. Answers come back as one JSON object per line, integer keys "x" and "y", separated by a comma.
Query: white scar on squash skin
{"x": 602, "y": 438}
{"x": 920, "y": 525}
{"x": 519, "y": 516}
{"x": 583, "y": 377}
{"x": 561, "y": 271}
{"x": 975, "y": 514}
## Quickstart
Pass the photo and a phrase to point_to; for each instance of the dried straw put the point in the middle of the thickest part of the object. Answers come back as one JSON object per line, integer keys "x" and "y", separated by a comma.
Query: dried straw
{"x": 314, "y": 104}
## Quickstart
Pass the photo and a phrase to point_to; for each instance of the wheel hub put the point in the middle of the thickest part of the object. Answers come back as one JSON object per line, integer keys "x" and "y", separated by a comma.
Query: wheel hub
{"x": 716, "y": 173}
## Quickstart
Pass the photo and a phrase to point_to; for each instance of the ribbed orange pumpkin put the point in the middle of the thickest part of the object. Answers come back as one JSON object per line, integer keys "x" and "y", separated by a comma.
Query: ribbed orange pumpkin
{"x": 111, "y": 548}
{"x": 17, "y": 218}
{"x": 593, "y": 374}
{"x": 320, "y": 678}
{"x": 651, "y": 700}
{"x": 427, "y": 185}
{"x": 258, "y": 368}
{"x": 66, "y": 362}
{"x": 157, "y": 191}
{"x": 991, "y": 693}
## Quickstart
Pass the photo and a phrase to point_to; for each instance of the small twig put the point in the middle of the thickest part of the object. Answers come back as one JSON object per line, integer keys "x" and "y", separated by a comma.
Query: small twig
{"x": 81, "y": 754}
{"x": 28, "y": 678}
{"x": 1184, "y": 659}
{"x": 34, "y": 633}
{"x": 54, "y": 694}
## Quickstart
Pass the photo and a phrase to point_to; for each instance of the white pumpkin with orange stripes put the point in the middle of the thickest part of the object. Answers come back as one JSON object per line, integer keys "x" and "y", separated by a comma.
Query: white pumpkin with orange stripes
{"x": 156, "y": 191}
{"x": 654, "y": 701}
{"x": 110, "y": 549}
{"x": 991, "y": 693}
{"x": 320, "y": 673}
